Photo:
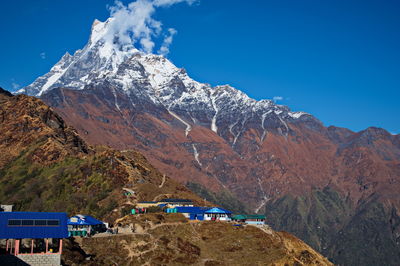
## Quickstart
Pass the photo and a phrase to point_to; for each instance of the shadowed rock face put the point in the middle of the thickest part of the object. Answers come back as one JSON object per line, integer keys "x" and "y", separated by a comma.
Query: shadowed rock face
{"x": 5, "y": 92}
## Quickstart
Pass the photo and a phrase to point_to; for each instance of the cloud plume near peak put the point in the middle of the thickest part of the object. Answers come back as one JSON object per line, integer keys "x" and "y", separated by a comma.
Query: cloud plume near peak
{"x": 277, "y": 98}
{"x": 164, "y": 49}
{"x": 135, "y": 25}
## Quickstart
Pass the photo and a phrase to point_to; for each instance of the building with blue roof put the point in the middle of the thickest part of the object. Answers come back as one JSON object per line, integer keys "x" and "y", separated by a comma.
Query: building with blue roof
{"x": 172, "y": 203}
{"x": 18, "y": 225}
{"x": 82, "y": 225}
{"x": 169, "y": 203}
{"x": 205, "y": 213}
{"x": 44, "y": 229}
{"x": 192, "y": 213}
{"x": 218, "y": 214}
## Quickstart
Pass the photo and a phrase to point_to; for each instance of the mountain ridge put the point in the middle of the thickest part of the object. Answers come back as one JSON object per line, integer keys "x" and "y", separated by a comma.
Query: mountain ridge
{"x": 48, "y": 167}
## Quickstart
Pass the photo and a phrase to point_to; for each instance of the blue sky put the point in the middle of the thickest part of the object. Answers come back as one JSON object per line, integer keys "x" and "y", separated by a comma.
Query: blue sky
{"x": 338, "y": 60}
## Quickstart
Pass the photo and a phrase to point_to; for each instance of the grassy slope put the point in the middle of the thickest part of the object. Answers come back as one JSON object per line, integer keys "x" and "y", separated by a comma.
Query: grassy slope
{"x": 323, "y": 219}
{"x": 74, "y": 184}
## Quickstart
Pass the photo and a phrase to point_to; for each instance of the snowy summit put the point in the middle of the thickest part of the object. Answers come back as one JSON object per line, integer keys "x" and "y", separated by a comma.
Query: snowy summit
{"x": 114, "y": 62}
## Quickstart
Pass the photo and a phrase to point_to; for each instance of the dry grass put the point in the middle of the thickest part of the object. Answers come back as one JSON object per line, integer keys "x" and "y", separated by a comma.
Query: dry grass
{"x": 169, "y": 240}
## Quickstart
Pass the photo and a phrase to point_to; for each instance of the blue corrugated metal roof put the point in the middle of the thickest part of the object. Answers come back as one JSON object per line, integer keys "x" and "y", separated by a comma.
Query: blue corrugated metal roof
{"x": 201, "y": 210}
{"x": 217, "y": 210}
{"x": 191, "y": 209}
{"x": 14, "y": 225}
{"x": 83, "y": 220}
{"x": 176, "y": 200}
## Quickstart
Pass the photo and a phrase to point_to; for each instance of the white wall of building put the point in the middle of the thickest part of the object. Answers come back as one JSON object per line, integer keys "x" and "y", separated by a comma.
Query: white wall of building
{"x": 220, "y": 217}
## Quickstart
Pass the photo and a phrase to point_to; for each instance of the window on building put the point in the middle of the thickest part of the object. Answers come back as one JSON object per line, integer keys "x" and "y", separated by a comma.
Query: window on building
{"x": 33, "y": 222}
{"x": 40, "y": 222}
{"x": 27, "y": 223}
{"x": 53, "y": 222}
{"x": 14, "y": 222}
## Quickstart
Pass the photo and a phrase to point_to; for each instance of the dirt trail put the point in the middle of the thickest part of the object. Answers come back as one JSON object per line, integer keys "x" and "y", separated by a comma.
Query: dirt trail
{"x": 161, "y": 196}
{"x": 163, "y": 181}
{"x": 139, "y": 230}
{"x": 265, "y": 228}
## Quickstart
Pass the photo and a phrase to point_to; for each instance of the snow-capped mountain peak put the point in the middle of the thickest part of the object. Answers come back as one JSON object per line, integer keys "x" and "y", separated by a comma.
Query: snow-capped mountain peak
{"x": 109, "y": 60}
{"x": 101, "y": 56}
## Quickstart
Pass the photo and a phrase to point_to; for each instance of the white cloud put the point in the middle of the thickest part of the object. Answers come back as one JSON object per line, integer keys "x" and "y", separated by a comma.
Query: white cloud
{"x": 134, "y": 24}
{"x": 164, "y": 49}
{"x": 172, "y": 2}
{"x": 43, "y": 55}
{"x": 15, "y": 86}
{"x": 277, "y": 98}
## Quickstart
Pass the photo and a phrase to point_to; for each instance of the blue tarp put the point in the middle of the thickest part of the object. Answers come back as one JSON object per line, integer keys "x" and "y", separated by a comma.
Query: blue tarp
{"x": 83, "y": 220}
{"x": 15, "y": 225}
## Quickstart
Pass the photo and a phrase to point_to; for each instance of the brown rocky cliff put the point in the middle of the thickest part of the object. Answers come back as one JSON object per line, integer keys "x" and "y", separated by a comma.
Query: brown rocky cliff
{"x": 25, "y": 120}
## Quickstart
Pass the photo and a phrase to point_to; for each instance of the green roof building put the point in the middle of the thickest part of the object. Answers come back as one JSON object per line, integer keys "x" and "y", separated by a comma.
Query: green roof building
{"x": 256, "y": 219}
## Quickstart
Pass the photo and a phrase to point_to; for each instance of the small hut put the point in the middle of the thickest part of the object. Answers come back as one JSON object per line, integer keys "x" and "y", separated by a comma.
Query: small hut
{"x": 217, "y": 214}
{"x": 32, "y": 237}
{"x": 172, "y": 203}
{"x": 205, "y": 213}
{"x": 82, "y": 225}
{"x": 256, "y": 219}
{"x": 192, "y": 213}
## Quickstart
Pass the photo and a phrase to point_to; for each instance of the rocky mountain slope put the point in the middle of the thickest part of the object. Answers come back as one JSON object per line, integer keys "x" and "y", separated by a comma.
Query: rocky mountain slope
{"x": 318, "y": 183}
{"x": 315, "y": 181}
{"x": 46, "y": 166}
